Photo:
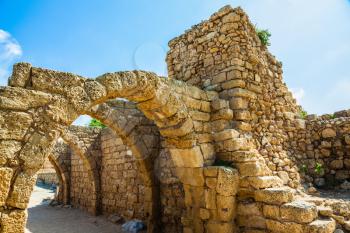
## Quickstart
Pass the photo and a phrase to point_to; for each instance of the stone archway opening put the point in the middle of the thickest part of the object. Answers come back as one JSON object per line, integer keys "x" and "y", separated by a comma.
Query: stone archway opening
{"x": 86, "y": 158}
{"x": 182, "y": 114}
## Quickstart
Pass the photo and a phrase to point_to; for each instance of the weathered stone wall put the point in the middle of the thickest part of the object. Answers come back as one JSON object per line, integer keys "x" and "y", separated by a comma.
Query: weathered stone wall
{"x": 47, "y": 173}
{"x": 122, "y": 187}
{"x": 85, "y": 166}
{"x": 324, "y": 149}
{"x": 48, "y": 177}
{"x": 81, "y": 189}
{"x": 171, "y": 195}
{"x": 224, "y": 54}
{"x": 60, "y": 158}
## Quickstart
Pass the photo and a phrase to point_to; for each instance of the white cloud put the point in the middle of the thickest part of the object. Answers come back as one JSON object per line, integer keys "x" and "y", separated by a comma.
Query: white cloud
{"x": 10, "y": 50}
{"x": 298, "y": 94}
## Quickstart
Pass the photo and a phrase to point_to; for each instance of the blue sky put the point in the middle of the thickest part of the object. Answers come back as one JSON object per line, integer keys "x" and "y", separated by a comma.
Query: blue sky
{"x": 311, "y": 38}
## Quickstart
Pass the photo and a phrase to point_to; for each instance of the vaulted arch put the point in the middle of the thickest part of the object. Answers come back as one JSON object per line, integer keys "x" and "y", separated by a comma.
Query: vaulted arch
{"x": 47, "y": 102}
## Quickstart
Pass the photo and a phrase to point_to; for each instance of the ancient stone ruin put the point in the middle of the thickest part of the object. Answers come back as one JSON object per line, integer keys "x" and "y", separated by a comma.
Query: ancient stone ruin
{"x": 218, "y": 146}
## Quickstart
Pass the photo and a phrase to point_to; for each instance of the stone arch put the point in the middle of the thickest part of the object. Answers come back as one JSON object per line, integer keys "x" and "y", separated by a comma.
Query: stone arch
{"x": 81, "y": 148}
{"x": 46, "y": 102}
{"x": 59, "y": 159}
{"x": 63, "y": 193}
{"x": 144, "y": 147}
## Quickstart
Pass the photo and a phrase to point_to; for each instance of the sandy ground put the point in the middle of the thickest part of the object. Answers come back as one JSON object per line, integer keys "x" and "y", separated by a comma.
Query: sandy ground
{"x": 43, "y": 218}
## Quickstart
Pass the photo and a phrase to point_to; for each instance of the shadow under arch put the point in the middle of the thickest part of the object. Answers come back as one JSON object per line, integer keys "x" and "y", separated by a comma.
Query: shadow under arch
{"x": 145, "y": 148}
{"x": 61, "y": 171}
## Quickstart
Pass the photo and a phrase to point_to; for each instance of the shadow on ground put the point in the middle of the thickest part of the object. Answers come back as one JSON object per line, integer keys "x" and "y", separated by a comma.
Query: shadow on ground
{"x": 43, "y": 218}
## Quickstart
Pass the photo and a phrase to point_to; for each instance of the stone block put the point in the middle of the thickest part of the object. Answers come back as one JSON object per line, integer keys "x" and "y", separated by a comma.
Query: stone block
{"x": 336, "y": 164}
{"x": 5, "y": 183}
{"x": 222, "y": 114}
{"x": 238, "y": 103}
{"x": 233, "y": 83}
{"x": 226, "y": 208}
{"x": 191, "y": 176}
{"x": 252, "y": 221}
{"x": 260, "y": 182}
{"x": 210, "y": 199}
{"x": 14, "y": 125}
{"x": 284, "y": 227}
{"x": 22, "y": 189}
{"x": 275, "y": 196}
{"x": 328, "y": 133}
{"x": 204, "y": 214}
{"x": 20, "y": 75}
{"x": 271, "y": 211}
{"x": 235, "y": 144}
{"x": 322, "y": 226}
{"x": 8, "y": 148}
{"x": 219, "y": 78}
{"x": 249, "y": 208}
{"x": 325, "y": 211}
{"x": 14, "y": 221}
{"x": 227, "y": 183}
{"x": 244, "y": 156}
{"x": 215, "y": 227}
{"x": 208, "y": 151}
{"x": 255, "y": 168}
{"x": 211, "y": 182}
{"x": 191, "y": 157}
{"x": 299, "y": 212}
{"x": 347, "y": 139}
{"x": 226, "y": 134}
{"x": 239, "y": 92}
{"x": 179, "y": 130}
{"x": 19, "y": 99}
{"x": 244, "y": 126}
{"x": 200, "y": 116}
{"x": 211, "y": 171}
{"x": 241, "y": 115}
{"x": 219, "y": 125}
{"x": 218, "y": 104}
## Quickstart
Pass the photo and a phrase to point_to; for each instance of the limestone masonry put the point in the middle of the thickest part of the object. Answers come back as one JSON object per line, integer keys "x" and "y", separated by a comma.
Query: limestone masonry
{"x": 219, "y": 146}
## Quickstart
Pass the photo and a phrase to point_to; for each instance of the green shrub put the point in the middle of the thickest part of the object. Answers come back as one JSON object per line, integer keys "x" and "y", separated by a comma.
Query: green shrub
{"x": 94, "y": 123}
{"x": 319, "y": 168}
{"x": 303, "y": 114}
{"x": 264, "y": 36}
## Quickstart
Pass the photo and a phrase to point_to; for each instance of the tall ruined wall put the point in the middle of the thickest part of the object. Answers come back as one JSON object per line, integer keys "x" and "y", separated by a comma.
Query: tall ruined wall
{"x": 224, "y": 54}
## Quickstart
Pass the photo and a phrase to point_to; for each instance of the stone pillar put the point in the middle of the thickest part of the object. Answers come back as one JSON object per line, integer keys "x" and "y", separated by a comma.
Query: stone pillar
{"x": 211, "y": 201}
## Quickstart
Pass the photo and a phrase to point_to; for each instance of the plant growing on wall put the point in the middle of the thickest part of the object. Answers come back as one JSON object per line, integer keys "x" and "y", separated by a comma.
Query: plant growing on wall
{"x": 304, "y": 168}
{"x": 303, "y": 114}
{"x": 264, "y": 36}
{"x": 319, "y": 168}
{"x": 94, "y": 123}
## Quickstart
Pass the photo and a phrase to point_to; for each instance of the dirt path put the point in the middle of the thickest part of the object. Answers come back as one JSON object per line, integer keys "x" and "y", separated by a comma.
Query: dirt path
{"x": 43, "y": 218}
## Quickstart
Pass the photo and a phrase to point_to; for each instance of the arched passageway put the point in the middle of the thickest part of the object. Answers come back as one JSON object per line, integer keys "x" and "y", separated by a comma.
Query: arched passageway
{"x": 55, "y": 99}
